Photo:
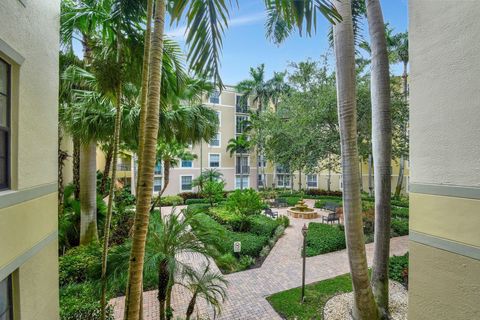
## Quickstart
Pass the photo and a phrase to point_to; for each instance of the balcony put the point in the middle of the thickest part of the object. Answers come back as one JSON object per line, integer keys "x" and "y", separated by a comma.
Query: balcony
{"x": 242, "y": 169}
{"x": 124, "y": 167}
{"x": 241, "y": 108}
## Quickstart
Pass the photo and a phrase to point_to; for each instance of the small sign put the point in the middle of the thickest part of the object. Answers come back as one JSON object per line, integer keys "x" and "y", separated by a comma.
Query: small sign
{"x": 237, "y": 246}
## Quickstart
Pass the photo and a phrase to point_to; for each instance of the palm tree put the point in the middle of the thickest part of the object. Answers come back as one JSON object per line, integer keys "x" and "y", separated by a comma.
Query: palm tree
{"x": 206, "y": 21}
{"x": 207, "y": 175}
{"x": 205, "y": 284}
{"x": 382, "y": 152}
{"x": 344, "y": 46}
{"x": 239, "y": 145}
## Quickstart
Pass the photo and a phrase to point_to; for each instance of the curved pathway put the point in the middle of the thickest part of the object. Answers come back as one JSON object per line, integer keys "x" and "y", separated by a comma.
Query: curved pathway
{"x": 281, "y": 270}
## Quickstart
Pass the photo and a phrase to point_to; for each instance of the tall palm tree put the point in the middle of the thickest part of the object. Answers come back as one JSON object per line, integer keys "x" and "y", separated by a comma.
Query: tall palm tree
{"x": 239, "y": 145}
{"x": 207, "y": 284}
{"x": 344, "y": 47}
{"x": 382, "y": 152}
{"x": 206, "y": 21}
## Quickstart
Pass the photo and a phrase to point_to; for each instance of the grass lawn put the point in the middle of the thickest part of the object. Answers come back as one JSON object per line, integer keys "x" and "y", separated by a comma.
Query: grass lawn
{"x": 287, "y": 303}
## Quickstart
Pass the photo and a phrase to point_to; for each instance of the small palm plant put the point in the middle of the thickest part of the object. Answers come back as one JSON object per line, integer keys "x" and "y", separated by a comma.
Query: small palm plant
{"x": 206, "y": 284}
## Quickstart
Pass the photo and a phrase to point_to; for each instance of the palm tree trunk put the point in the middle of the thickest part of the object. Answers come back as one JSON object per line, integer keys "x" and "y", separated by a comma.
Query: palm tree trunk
{"x": 168, "y": 300}
{"x": 241, "y": 172}
{"x": 106, "y": 232}
{"x": 146, "y": 174}
{"x": 145, "y": 69}
{"x": 299, "y": 180}
{"x": 370, "y": 175}
{"x": 364, "y": 306}
{"x": 106, "y": 170}
{"x": 163, "y": 280}
{"x": 166, "y": 181}
{"x": 382, "y": 152}
{"x": 62, "y": 156}
{"x": 191, "y": 306}
{"x": 76, "y": 168}
{"x": 398, "y": 188}
{"x": 88, "y": 193}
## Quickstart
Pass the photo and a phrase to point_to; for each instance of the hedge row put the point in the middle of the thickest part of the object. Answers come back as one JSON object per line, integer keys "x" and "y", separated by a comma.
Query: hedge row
{"x": 323, "y": 238}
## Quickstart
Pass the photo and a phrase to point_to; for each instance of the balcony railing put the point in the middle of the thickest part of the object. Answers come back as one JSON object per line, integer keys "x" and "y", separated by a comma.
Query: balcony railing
{"x": 124, "y": 167}
{"x": 241, "y": 108}
{"x": 242, "y": 169}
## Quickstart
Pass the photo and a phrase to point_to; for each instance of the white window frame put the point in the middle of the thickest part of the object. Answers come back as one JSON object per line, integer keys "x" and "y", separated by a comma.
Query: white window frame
{"x": 283, "y": 175}
{"x": 219, "y": 134}
{"x": 181, "y": 163}
{"x": 181, "y": 184}
{"x": 219, "y": 160}
{"x": 246, "y": 117}
{"x": 219, "y": 98}
{"x": 161, "y": 183}
{"x": 245, "y": 177}
{"x": 316, "y": 181}
{"x": 248, "y": 103}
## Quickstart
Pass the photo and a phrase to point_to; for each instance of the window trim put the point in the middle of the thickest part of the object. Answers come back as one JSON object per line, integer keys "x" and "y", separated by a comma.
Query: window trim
{"x": 219, "y": 98}
{"x": 245, "y": 118}
{"x": 161, "y": 183}
{"x": 219, "y": 141}
{"x": 219, "y": 160}
{"x": 8, "y": 130}
{"x": 181, "y": 184}
{"x": 182, "y": 166}
{"x": 316, "y": 181}
{"x": 9, "y": 308}
{"x": 245, "y": 186}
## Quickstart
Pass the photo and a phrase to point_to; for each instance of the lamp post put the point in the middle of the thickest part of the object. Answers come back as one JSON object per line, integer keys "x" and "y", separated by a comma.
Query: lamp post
{"x": 304, "y": 256}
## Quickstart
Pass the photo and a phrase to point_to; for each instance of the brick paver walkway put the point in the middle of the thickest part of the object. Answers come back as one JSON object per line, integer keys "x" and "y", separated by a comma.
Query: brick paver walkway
{"x": 281, "y": 270}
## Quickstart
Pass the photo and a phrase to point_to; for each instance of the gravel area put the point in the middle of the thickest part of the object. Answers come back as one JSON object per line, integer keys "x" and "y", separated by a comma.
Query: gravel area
{"x": 339, "y": 307}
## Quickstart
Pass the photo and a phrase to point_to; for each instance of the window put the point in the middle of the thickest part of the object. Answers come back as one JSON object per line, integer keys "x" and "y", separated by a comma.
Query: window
{"x": 6, "y": 305}
{"x": 241, "y": 104}
{"x": 186, "y": 183}
{"x": 158, "y": 168}
{"x": 215, "y": 142}
{"x": 214, "y": 160}
{"x": 242, "y": 165}
{"x": 4, "y": 125}
{"x": 157, "y": 184}
{"x": 187, "y": 163}
{"x": 262, "y": 161}
{"x": 311, "y": 180}
{"x": 281, "y": 169}
{"x": 241, "y": 124}
{"x": 283, "y": 180}
{"x": 214, "y": 97}
{"x": 241, "y": 182}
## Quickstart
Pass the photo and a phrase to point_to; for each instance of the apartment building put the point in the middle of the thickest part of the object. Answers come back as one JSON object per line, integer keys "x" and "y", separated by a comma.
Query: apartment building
{"x": 232, "y": 115}
{"x": 444, "y": 275}
{"x": 29, "y": 44}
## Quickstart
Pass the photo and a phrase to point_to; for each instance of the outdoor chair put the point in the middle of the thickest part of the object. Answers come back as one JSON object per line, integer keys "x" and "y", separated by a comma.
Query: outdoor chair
{"x": 331, "y": 218}
{"x": 331, "y": 206}
{"x": 270, "y": 213}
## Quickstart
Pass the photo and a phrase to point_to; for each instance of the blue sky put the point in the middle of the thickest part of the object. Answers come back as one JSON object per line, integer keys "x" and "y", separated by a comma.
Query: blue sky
{"x": 245, "y": 44}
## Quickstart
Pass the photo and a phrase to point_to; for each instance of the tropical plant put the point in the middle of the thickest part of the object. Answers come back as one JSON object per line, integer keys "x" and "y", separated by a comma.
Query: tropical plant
{"x": 213, "y": 191}
{"x": 206, "y": 284}
{"x": 206, "y": 176}
{"x": 344, "y": 47}
{"x": 239, "y": 145}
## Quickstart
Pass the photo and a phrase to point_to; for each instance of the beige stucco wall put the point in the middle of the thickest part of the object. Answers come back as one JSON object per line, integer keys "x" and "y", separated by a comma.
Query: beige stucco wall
{"x": 29, "y": 34}
{"x": 444, "y": 160}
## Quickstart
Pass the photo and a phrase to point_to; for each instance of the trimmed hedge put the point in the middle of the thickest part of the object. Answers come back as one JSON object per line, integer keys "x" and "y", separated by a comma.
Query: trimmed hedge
{"x": 194, "y": 201}
{"x": 398, "y": 269}
{"x": 400, "y": 212}
{"x": 198, "y": 207}
{"x": 80, "y": 264}
{"x": 168, "y": 201}
{"x": 291, "y": 200}
{"x": 321, "y": 192}
{"x": 263, "y": 225}
{"x": 399, "y": 226}
{"x": 81, "y": 301}
{"x": 323, "y": 238}
{"x": 190, "y": 195}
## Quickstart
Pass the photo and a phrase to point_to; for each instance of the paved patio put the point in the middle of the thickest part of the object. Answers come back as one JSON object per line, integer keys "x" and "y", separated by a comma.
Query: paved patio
{"x": 280, "y": 271}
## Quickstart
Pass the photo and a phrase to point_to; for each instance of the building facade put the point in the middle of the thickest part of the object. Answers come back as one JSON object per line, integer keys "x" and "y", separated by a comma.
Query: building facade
{"x": 29, "y": 45}
{"x": 444, "y": 274}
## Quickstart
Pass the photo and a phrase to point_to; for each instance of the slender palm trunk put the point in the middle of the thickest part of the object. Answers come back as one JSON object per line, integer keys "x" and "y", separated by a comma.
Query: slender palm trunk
{"x": 401, "y": 173}
{"x": 191, "y": 306}
{"x": 241, "y": 172}
{"x": 382, "y": 152}
{"x": 88, "y": 193}
{"x": 166, "y": 181}
{"x": 62, "y": 156}
{"x": 106, "y": 170}
{"x": 364, "y": 306}
{"x": 146, "y": 174}
{"x": 145, "y": 70}
{"x": 168, "y": 299}
{"x": 76, "y": 168}
{"x": 299, "y": 180}
{"x": 163, "y": 280}
{"x": 106, "y": 232}
{"x": 370, "y": 175}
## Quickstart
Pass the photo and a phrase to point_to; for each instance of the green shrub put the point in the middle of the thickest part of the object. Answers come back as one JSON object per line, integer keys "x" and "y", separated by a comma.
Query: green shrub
{"x": 398, "y": 269}
{"x": 198, "y": 207}
{"x": 402, "y": 202}
{"x": 245, "y": 202}
{"x": 227, "y": 262}
{"x": 245, "y": 262}
{"x": 189, "y": 195}
{"x": 320, "y": 203}
{"x": 284, "y": 220}
{"x": 82, "y": 302}
{"x": 400, "y": 212}
{"x": 171, "y": 201}
{"x": 122, "y": 223}
{"x": 124, "y": 198}
{"x": 399, "y": 227}
{"x": 194, "y": 201}
{"x": 263, "y": 225}
{"x": 320, "y": 192}
{"x": 292, "y": 200}
{"x": 324, "y": 238}
{"x": 80, "y": 264}
{"x": 251, "y": 244}
{"x": 213, "y": 191}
